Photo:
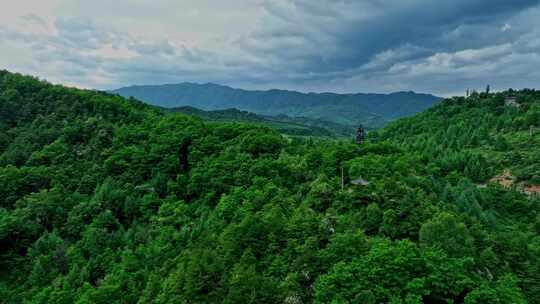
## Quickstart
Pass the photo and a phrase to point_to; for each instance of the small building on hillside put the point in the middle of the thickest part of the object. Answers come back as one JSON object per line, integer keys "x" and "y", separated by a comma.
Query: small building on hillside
{"x": 360, "y": 182}
{"x": 532, "y": 190}
{"x": 511, "y": 101}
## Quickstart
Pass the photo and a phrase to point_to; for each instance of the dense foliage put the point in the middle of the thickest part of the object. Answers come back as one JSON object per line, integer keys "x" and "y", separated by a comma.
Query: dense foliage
{"x": 107, "y": 200}
{"x": 371, "y": 110}
{"x": 491, "y": 133}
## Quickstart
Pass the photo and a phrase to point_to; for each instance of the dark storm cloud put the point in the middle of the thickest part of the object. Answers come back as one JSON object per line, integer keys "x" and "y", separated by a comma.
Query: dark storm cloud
{"x": 321, "y": 39}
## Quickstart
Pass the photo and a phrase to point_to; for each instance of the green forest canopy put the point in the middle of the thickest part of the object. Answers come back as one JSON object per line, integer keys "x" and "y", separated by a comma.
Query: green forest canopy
{"x": 108, "y": 200}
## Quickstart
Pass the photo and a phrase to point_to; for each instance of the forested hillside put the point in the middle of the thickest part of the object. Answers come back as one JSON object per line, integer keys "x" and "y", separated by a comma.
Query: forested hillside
{"x": 108, "y": 200}
{"x": 290, "y": 126}
{"x": 498, "y": 132}
{"x": 371, "y": 110}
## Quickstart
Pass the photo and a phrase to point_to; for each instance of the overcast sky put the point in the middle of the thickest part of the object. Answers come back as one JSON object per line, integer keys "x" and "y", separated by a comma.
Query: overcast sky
{"x": 433, "y": 46}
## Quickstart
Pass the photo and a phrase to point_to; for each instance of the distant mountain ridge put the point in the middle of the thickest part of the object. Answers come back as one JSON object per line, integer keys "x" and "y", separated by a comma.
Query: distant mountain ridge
{"x": 293, "y": 126}
{"x": 373, "y": 110}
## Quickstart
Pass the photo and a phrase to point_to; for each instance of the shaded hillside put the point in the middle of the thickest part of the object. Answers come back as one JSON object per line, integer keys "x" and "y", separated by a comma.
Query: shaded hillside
{"x": 107, "y": 200}
{"x": 372, "y": 110}
{"x": 294, "y": 126}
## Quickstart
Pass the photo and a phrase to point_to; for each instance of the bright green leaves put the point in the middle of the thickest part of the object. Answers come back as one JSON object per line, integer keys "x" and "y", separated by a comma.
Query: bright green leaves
{"x": 445, "y": 231}
{"x": 388, "y": 270}
{"x": 395, "y": 272}
{"x": 504, "y": 290}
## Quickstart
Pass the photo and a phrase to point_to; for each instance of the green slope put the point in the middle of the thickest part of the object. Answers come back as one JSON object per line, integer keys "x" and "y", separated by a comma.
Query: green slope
{"x": 499, "y": 135}
{"x": 107, "y": 200}
{"x": 292, "y": 126}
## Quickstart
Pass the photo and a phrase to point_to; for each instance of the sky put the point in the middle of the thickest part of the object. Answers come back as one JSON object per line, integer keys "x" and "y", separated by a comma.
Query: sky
{"x": 441, "y": 47}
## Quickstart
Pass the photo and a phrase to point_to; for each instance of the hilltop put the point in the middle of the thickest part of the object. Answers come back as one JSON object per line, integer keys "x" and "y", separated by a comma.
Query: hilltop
{"x": 372, "y": 110}
{"x": 110, "y": 200}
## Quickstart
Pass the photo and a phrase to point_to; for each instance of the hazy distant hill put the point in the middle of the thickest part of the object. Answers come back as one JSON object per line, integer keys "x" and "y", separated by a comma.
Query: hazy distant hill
{"x": 296, "y": 126}
{"x": 373, "y": 110}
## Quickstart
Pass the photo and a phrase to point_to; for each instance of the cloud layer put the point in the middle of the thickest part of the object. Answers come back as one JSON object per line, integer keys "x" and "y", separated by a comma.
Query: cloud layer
{"x": 441, "y": 47}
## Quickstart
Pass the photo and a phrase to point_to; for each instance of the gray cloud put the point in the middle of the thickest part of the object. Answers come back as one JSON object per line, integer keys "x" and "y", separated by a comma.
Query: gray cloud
{"x": 344, "y": 39}
{"x": 343, "y": 45}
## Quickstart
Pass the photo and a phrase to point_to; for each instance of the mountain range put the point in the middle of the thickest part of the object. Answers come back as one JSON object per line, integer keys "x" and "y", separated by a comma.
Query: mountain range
{"x": 372, "y": 110}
